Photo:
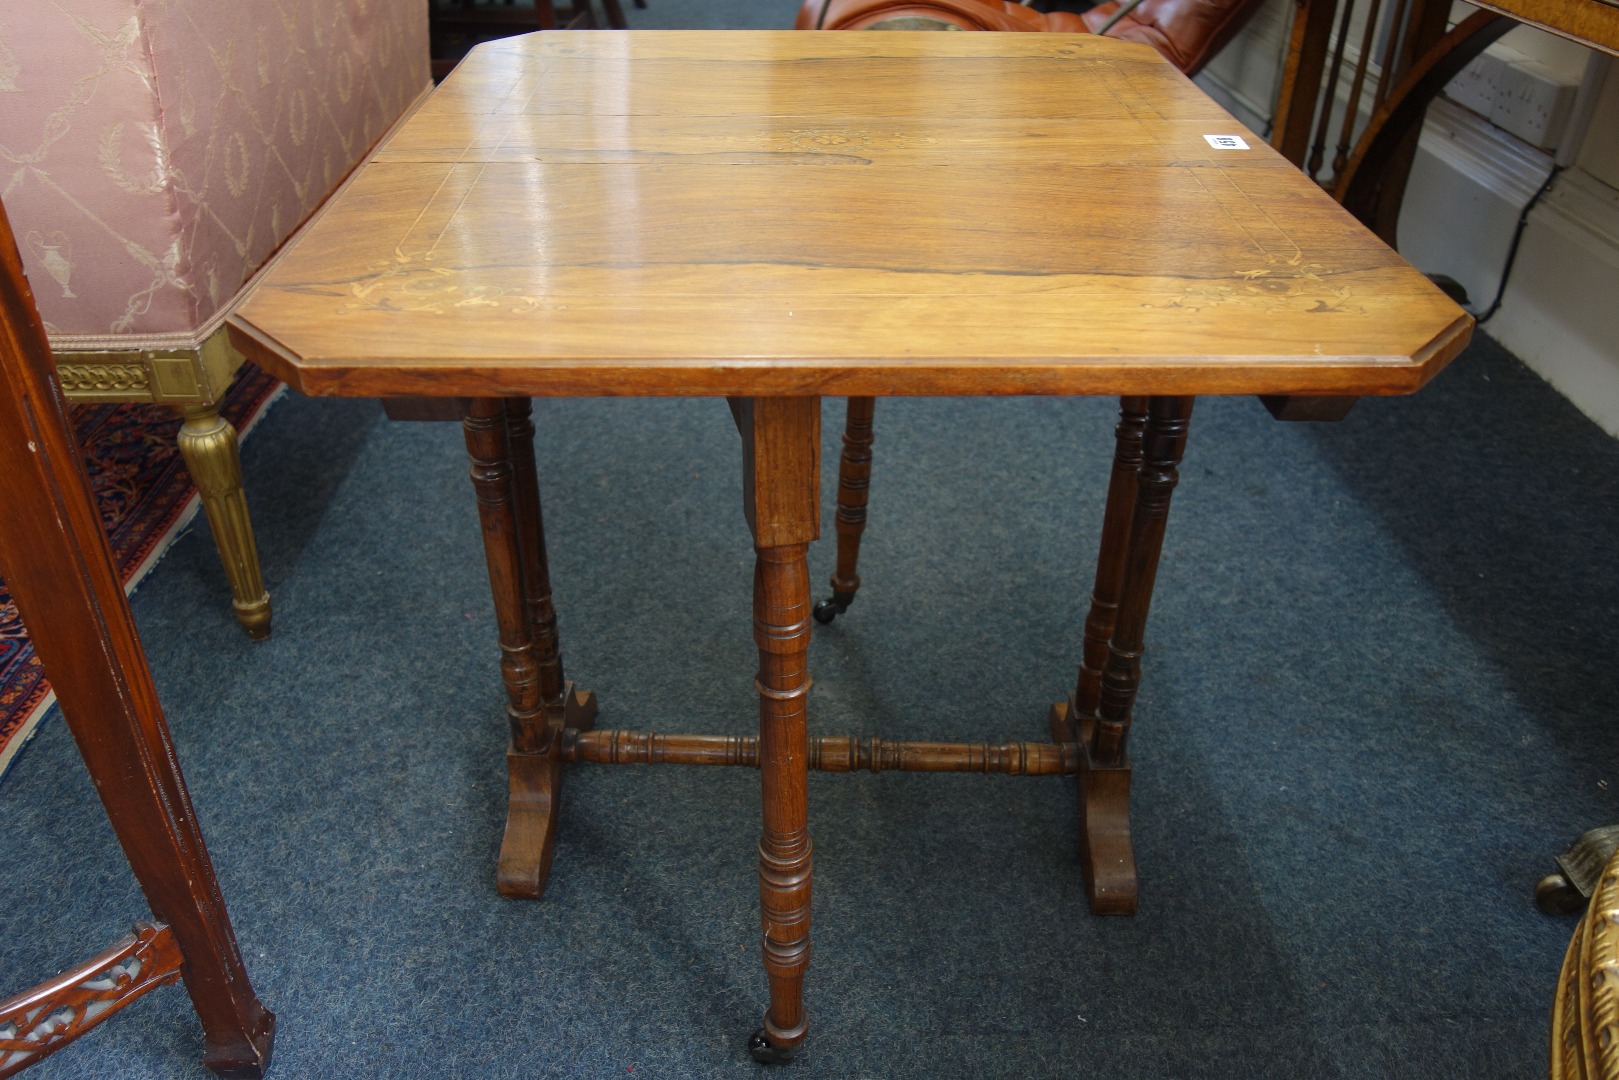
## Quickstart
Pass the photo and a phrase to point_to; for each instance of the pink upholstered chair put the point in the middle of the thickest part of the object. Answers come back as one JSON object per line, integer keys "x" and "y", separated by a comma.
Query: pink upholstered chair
{"x": 153, "y": 155}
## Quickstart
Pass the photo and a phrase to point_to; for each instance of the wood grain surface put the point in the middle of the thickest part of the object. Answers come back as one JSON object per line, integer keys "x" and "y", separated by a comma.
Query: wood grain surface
{"x": 1589, "y": 22}
{"x": 791, "y": 212}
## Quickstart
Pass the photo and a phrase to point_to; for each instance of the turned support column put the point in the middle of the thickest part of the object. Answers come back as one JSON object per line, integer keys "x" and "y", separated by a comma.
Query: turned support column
{"x": 1106, "y": 854}
{"x": 539, "y": 703}
{"x": 854, "y": 490}
{"x": 533, "y": 565}
{"x": 781, "y": 444}
{"x": 1076, "y": 721}
{"x": 208, "y": 444}
{"x": 487, "y": 445}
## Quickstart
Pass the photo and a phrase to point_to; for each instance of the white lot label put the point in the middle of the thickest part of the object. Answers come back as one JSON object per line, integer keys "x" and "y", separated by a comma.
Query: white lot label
{"x": 1227, "y": 142}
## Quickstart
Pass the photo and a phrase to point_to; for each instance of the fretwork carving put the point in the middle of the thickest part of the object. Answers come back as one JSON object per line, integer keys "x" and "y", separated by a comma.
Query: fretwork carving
{"x": 39, "y": 1022}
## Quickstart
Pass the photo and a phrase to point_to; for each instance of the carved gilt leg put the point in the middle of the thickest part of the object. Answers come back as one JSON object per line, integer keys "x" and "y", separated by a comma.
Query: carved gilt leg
{"x": 534, "y": 763}
{"x": 854, "y": 489}
{"x": 208, "y": 445}
{"x": 781, "y": 480}
{"x": 1106, "y": 854}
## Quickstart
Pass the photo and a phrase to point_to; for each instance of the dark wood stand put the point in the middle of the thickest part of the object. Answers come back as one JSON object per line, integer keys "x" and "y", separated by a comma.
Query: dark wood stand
{"x": 552, "y": 723}
{"x": 61, "y": 573}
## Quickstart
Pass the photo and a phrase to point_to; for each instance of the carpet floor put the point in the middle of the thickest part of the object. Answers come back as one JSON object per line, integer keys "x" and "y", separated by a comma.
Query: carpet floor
{"x": 1378, "y": 696}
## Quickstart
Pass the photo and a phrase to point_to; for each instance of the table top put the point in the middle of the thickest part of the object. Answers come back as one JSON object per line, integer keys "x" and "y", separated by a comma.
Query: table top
{"x": 794, "y": 212}
{"x": 1589, "y": 22}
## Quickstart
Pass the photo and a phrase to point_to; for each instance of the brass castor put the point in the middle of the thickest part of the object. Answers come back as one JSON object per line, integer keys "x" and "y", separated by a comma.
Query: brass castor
{"x": 1556, "y": 895}
{"x": 832, "y": 607}
{"x": 761, "y": 1050}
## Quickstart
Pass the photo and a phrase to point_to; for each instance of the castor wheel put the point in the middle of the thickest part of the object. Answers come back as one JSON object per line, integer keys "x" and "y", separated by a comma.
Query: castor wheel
{"x": 1556, "y": 895}
{"x": 832, "y": 606}
{"x": 761, "y": 1050}
{"x": 827, "y": 610}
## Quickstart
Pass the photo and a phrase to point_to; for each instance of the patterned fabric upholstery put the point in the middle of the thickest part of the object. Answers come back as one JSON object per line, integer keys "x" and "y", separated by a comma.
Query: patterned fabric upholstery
{"x": 153, "y": 153}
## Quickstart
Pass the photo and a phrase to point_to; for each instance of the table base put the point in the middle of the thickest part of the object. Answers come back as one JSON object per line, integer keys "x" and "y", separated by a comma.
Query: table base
{"x": 552, "y": 722}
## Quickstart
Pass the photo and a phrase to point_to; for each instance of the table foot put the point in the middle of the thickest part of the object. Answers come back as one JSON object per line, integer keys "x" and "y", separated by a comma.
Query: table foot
{"x": 1106, "y": 854}
{"x": 761, "y": 1049}
{"x": 534, "y": 800}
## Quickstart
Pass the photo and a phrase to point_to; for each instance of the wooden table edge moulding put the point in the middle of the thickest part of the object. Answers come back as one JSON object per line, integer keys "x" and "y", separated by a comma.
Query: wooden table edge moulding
{"x": 776, "y": 216}
{"x": 60, "y": 571}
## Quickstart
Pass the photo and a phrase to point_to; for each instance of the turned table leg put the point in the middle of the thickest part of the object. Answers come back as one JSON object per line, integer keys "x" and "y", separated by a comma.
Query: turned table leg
{"x": 1074, "y": 720}
{"x": 500, "y": 441}
{"x": 209, "y": 446}
{"x": 781, "y": 495}
{"x": 854, "y": 489}
{"x": 1106, "y": 854}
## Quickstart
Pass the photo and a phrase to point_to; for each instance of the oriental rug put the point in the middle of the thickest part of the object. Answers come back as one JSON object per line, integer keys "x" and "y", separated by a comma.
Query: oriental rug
{"x": 146, "y": 499}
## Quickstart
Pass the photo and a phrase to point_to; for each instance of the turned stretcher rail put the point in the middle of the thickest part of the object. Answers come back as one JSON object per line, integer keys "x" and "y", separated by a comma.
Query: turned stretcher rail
{"x": 828, "y": 753}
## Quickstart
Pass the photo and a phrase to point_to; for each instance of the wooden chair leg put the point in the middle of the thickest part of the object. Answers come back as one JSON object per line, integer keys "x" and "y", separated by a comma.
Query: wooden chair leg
{"x": 1106, "y": 853}
{"x": 208, "y": 444}
{"x": 854, "y": 490}
{"x": 781, "y": 481}
{"x": 61, "y": 574}
{"x": 615, "y": 15}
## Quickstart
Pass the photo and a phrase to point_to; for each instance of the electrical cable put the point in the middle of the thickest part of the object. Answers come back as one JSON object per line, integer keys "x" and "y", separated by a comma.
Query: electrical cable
{"x": 1512, "y": 251}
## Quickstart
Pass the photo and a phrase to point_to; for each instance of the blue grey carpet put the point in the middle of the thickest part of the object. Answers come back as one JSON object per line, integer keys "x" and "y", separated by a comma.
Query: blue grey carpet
{"x": 1378, "y": 696}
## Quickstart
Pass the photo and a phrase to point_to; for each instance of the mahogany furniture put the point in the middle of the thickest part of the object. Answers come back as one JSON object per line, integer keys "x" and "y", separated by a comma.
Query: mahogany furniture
{"x": 777, "y": 216}
{"x": 55, "y": 560}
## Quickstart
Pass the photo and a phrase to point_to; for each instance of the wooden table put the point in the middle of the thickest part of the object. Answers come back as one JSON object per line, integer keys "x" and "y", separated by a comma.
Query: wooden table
{"x": 778, "y": 216}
